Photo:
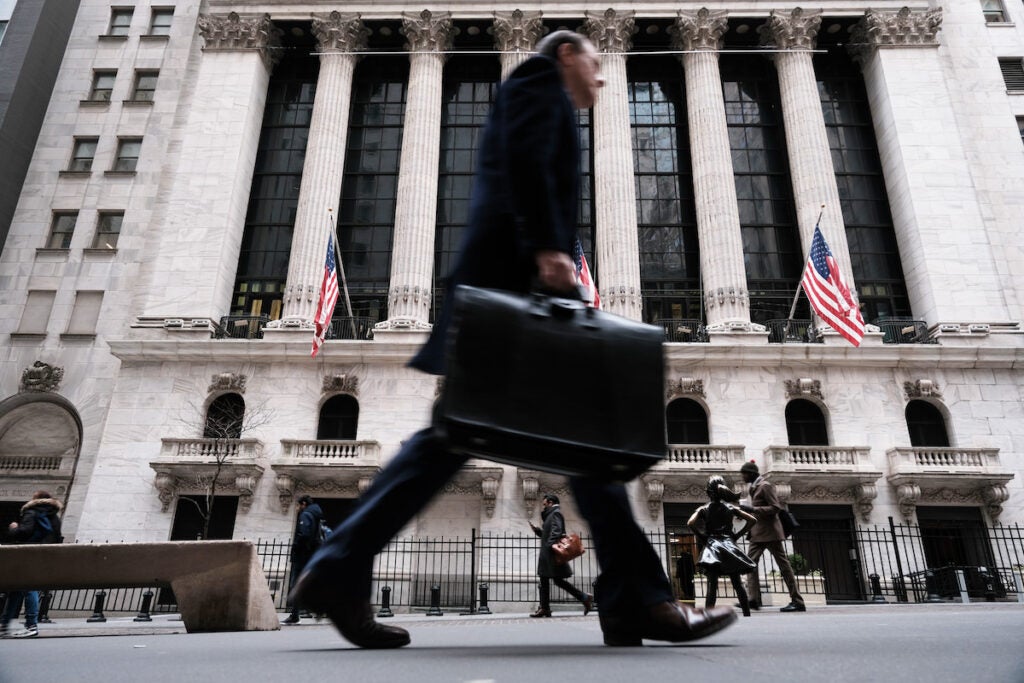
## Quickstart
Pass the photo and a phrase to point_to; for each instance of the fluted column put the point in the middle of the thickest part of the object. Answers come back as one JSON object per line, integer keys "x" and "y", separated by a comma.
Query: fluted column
{"x": 412, "y": 258}
{"x": 810, "y": 159}
{"x": 938, "y": 213}
{"x": 618, "y": 244}
{"x": 699, "y": 35}
{"x": 515, "y": 34}
{"x": 339, "y": 36}
{"x": 192, "y": 270}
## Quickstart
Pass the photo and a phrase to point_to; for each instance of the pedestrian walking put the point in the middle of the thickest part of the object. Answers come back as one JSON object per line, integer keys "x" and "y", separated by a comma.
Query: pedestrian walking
{"x": 305, "y": 542}
{"x": 521, "y": 230}
{"x": 713, "y": 525}
{"x": 39, "y": 523}
{"x": 767, "y": 535}
{"x": 548, "y": 570}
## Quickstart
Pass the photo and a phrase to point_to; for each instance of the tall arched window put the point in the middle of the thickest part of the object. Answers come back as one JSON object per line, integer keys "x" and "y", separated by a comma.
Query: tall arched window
{"x": 224, "y": 417}
{"x": 805, "y": 424}
{"x": 687, "y": 422}
{"x": 927, "y": 426}
{"x": 339, "y": 418}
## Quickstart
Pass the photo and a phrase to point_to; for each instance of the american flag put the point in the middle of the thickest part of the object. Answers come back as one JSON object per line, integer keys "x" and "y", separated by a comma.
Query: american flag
{"x": 829, "y": 296}
{"x": 328, "y": 298}
{"x": 583, "y": 274}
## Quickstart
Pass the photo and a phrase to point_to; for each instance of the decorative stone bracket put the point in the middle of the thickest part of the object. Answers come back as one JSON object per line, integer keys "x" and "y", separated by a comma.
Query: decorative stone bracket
{"x": 803, "y": 386}
{"x": 175, "y": 478}
{"x": 534, "y": 483}
{"x": 41, "y": 377}
{"x": 227, "y": 381}
{"x": 352, "y": 480}
{"x": 922, "y": 388}
{"x": 685, "y": 386}
{"x": 477, "y": 480}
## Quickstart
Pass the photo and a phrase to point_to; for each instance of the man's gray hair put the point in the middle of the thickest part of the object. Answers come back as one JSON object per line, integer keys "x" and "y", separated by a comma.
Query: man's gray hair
{"x": 549, "y": 44}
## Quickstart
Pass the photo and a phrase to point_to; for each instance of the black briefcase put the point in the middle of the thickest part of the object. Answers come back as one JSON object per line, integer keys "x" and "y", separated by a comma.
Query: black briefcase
{"x": 550, "y": 384}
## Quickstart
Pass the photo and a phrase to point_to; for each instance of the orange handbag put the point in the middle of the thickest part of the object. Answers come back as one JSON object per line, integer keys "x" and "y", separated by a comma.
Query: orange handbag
{"x": 567, "y": 549}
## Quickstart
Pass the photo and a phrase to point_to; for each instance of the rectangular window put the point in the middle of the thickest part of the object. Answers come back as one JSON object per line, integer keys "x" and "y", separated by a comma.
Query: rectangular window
{"x": 145, "y": 85}
{"x": 85, "y": 313}
{"x": 37, "y": 312}
{"x": 102, "y": 86}
{"x": 82, "y": 154}
{"x": 127, "y": 154}
{"x": 160, "y": 23}
{"x": 108, "y": 229}
{"x": 1020, "y": 127}
{"x": 993, "y": 11}
{"x": 61, "y": 229}
{"x": 120, "y": 21}
{"x": 1013, "y": 73}
{"x": 3, "y": 30}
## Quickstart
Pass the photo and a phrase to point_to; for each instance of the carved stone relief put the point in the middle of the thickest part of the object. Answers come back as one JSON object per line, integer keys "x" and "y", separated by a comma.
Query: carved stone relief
{"x": 700, "y": 30}
{"x": 611, "y": 31}
{"x": 517, "y": 32}
{"x": 427, "y": 32}
{"x": 922, "y": 388}
{"x": 41, "y": 377}
{"x": 796, "y": 30}
{"x": 337, "y": 32}
{"x": 685, "y": 386}
{"x": 798, "y": 388}
{"x": 231, "y": 32}
{"x": 227, "y": 381}
{"x": 346, "y": 383}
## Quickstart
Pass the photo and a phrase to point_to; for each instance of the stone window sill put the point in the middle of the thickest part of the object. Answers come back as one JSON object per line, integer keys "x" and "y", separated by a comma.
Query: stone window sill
{"x": 99, "y": 251}
{"x": 28, "y": 336}
{"x": 137, "y": 103}
{"x": 98, "y": 104}
{"x": 154, "y": 37}
{"x": 108, "y": 36}
{"x": 44, "y": 251}
{"x": 74, "y": 174}
{"x": 78, "y": 336}
{"x": 119, "y": 173}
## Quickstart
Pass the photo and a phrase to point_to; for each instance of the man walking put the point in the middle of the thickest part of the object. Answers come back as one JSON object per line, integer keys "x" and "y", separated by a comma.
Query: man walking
{"x": 767, "y": 535}
{"x": 551, "y": 532}
{"x": 39, "y": 523}
{"x": 305, "y": 541}
{"x": 522, "y": 228}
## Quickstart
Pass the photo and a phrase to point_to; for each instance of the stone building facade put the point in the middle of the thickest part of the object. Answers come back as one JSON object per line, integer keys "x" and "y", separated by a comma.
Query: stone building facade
{"x": 162, "y": 268}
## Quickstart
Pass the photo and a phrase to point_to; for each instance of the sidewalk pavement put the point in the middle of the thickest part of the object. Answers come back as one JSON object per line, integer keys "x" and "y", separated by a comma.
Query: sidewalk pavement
{"x": 76, "y": 626}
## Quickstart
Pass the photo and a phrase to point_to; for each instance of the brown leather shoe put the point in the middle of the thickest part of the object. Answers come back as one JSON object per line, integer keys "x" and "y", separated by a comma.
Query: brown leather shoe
{"x": 541, "y": 613}
{"x": 353, "y": 617}
{"x": 665, "y": 621}
{"x": 588, "y": 604}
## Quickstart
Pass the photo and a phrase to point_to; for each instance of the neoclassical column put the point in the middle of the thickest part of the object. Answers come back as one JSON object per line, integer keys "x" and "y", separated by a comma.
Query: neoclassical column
{"x": 339, "y": 37}
{"x": 515, "y": 34}
{"x": 192, "y": 272}
{"x": 699, "y": 36}
{"x": 810, "y": 159}
{"x": 412, "y": 257}
{"x": 618, "y": 244}
{"x": 937, "y": 211}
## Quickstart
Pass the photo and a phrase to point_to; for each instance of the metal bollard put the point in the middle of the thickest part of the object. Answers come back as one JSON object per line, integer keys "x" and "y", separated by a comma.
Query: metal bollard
{"x": 45, "y": 598}
{"x": 147, "y": 601}
{"x": 483, "y": 609}
{"x": 97, "y": 610}
{"x": 876, "y": 589}
{"x": 385, "y": 603}
{"x": 929, "y": 587}
{"x": 435, "y": 602}
{"x": 990, "y": 589}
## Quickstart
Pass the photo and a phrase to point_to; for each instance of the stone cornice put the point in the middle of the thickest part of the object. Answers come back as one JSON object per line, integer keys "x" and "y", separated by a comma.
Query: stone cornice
{"x": 610, "y": 31}
{"x": 427, "y": 32}
{"x": 517, "y": 31}
{"x": 337, "y": 32}
{"x": 231, "y": 32}
{"x": 796, "y": 30}
{"x": 700, "y": 30}
{"x": 904, "y": 28}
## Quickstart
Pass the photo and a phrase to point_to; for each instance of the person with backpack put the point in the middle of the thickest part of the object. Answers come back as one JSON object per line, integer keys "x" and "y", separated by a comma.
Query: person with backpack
{"x": 39, "y": 523}
{"x": 310, "y": 531}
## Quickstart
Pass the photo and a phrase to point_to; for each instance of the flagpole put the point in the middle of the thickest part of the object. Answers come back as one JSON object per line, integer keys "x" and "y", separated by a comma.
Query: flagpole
{"x": 341, "y": 272}
{"x": 800, "y": 283}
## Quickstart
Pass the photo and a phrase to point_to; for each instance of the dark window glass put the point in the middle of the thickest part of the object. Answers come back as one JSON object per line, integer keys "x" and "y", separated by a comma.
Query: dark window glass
{"x": 666, "y": 217}
{"x": 805, "y": 424}
{"x": 128, "y": 150}
{"x": 120, "y": 22}
{"x": 267, "y": 240}
{"x": 108, "y": 229}
{"x": 83, "y": 154}
{"x": 145, "y": 85}
{"x": 190, "y": 515}
{"x": 877, "y": 270}
{"x": 225, "y": 417}
{"x": 102, "y": 85}
{"x": 339, "y": 418}
{"x": 160, "y": 21}
{"x": 926, "y": 425}
{"x": 61, "y": 229}
{"x": 370, "y": 184}
{"x": 771, "y": 240}
{"x": 1020, "y": 127}
{"x": 687, "y": 422}
{"x": 470, "y": 84}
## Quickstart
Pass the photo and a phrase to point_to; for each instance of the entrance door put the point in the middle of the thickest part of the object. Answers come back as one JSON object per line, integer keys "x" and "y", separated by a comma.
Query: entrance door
{"x": 827, "y": 542}
{"x": 682, "y": 549}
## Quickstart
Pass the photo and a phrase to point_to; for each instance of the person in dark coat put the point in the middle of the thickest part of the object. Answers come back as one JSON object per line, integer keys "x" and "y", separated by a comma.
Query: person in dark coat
{"x": 767, "y": 535}
{"x": 547, "y": 569}
{"x": 713, "y": 525}
{"x": 305, "y": 542}
{"x": 522, "y": 227}
{"x": 39, "y": 523}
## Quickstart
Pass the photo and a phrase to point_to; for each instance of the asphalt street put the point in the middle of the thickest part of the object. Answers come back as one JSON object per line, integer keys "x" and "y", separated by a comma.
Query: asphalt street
{"x": 975, "y": 643}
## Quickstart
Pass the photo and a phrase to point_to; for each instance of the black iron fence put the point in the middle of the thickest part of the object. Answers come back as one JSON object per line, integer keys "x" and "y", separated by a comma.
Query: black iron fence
{"x": 891, "y": 563}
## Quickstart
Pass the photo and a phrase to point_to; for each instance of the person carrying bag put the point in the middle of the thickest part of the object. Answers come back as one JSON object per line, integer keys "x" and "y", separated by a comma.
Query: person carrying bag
{"x": 548, "y": 567}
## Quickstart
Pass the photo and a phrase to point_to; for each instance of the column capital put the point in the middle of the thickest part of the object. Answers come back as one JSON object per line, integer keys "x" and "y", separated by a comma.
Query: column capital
{"x": 231, "y": 32}
{"x": 903, "y": 28}
{"x": 700, "y": 30}
{"x": 611, "y": 31}
{"x": 337, "y": 32}
{"x": 517, "y": 32}
{"x": 427, "y": 32}
{"x": 796, "y": 30}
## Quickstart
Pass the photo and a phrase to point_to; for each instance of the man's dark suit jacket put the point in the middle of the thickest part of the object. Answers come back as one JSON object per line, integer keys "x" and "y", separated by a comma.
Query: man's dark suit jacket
{"x": 525, "y": 193}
